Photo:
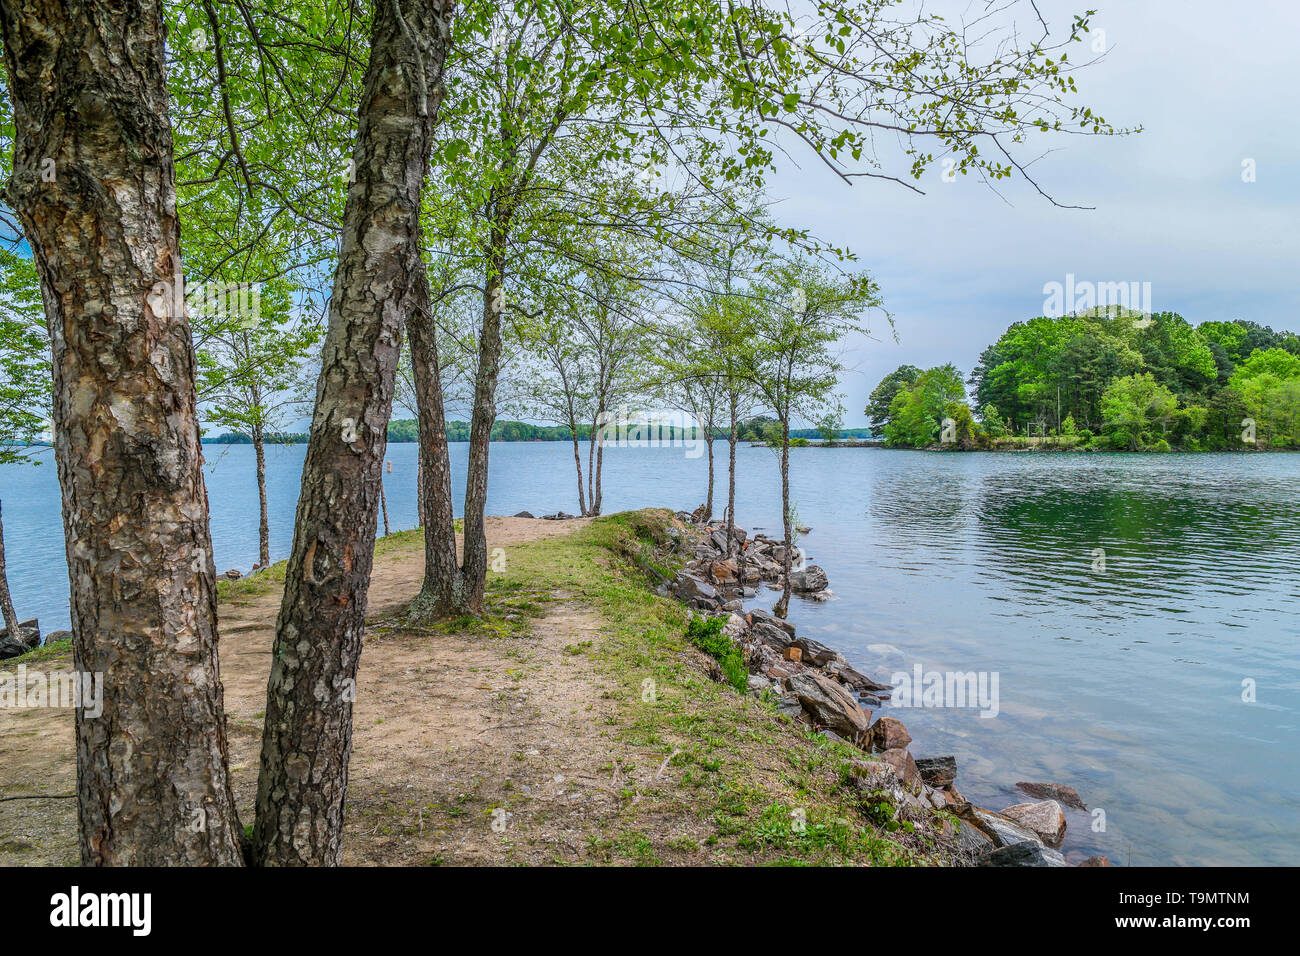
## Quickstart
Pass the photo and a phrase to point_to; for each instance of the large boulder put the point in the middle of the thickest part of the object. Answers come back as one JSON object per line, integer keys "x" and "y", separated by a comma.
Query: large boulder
{"x": 1045, "y": 819}
{"x": 1023, "y": 854}
{"x": 937, "y": 771}
{"x": 811, "y": 578}
{"x": 829, "y": 704}
{"x": 767, "y": 617}
{"x": 1054, "y": 791}
{"x": 888, "y": 733}
{"x": 1003, "y": 831}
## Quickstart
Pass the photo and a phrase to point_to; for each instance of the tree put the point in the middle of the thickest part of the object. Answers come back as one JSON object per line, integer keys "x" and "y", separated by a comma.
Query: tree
{"x": 882, "y": 396}
{"x": 1132, "y": 406}
{"x": 378, "y": 283}
{"x": 24, "y": 383}
{"x": 917, "y": 412}
{"x": 88, "y": 87}
{"x": 251, "y": 370}
{"x": 790, "y": 362}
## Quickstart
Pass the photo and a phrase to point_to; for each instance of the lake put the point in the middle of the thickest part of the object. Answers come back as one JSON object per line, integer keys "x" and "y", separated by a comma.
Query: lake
{"x": 1127, "y": 604}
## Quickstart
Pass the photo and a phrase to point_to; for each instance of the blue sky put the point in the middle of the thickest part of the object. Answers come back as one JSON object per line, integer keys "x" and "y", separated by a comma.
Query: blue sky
{"x": 1211, "y": 85}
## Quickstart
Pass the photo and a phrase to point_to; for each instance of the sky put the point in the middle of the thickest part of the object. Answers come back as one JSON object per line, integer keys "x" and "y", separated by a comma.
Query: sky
{"x": 1211, "y": 84}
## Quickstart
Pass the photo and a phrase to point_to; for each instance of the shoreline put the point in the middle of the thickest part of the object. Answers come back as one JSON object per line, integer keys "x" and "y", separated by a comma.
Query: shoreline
{"x": 816, "y": 684}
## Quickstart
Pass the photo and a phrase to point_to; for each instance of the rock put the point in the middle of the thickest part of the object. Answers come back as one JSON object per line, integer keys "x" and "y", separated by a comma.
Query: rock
{"x": 28, "y": 636}
{"x": 1045, "y": 819}
{"x": 1054, "y": 791}
{"x": 803, "y": 529}
{"x": 9, "y": 647}
{"x": 719, "y": 540}
{"x": 1096, "y": 861}
{"x": 829, "y": 704}
{"x": 724, "y": 572}
{"x": 524, "y": 514}
{"x": 823, "y": 595}
{"x": 888, "y": 733}
{"x": 1023, "y": 854}
{"x": 789, "y": 706}
{"x": 738, "y": 534}
{"x": 1003, "y": 831}
{"x": 937, "y": 771}
{"x": 811, "y": 578}
{"x": 769, "y": 635}
{"x": 904, "y": 767}
{"x": 690, "y": 588}
{"x": 855, "y": 679}
{"x": 953, "y": 798}
{"x": 232, "y": 575}
{"x": 54, "y": 637}
{"x": 758, "y": 684}
{"x": 758, "y": 614}
{"x": 967, "y": 838}
{"x": 814, "y": 652}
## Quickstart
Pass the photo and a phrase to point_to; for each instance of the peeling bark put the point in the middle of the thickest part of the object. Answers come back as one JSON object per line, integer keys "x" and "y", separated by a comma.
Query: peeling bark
{"x": 94, "y": 185}
{"x": 308, "y": 734}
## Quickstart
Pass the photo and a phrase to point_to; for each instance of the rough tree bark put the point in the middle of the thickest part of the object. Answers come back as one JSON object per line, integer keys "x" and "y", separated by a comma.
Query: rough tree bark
{"x": 94, "y": 185}
{"x": 308, "y": 734}
{"x": 6, "y": 600}
{"x": 441, "y": 594}
{"x": 783, "y": 605}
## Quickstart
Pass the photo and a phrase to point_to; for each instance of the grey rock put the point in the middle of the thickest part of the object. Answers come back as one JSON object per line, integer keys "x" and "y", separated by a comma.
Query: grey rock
{"x": 829, "y": 704}
{"x": 937, "y": 771}
{"x": 524, "y": 514}
{"x": 1023, "y": 854}
{"x": 1054, "y": 791}
{"x": 811, "y": 578}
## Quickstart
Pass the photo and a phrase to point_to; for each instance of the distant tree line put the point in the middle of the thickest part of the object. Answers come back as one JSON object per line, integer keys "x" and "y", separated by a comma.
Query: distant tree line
{"x": 402, "y": 430}
{"x": 1108, "y": 380}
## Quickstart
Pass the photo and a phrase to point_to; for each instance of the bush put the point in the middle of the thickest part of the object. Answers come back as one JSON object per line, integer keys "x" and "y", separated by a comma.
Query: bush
{"x": 706, "y": 634}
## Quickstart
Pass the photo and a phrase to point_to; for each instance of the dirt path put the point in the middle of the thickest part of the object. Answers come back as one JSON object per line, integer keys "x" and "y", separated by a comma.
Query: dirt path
{"x": 466, "y": 749}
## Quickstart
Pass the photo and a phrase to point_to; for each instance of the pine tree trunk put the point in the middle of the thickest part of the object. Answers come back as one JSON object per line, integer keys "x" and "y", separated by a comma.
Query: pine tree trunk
{"x": 94, "y": 185}
{"x": 440, "y": 594}
{"x": 307, "y": 738}
{"x": 383, "y": 506}
{"x": 6, "y": 600}
{"x": 264, "y": 523}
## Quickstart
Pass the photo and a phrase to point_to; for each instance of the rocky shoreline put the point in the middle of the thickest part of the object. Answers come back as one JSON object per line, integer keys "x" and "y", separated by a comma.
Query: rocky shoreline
{"x": 818, "y": 687}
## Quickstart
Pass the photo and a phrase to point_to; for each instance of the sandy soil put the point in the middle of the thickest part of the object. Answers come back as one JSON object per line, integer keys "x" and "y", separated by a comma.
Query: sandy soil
{"x": 476, "y": 750}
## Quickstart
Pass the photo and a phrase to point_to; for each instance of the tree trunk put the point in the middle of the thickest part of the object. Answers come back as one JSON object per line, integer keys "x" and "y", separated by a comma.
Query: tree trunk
{"x": 94, "y": 185}
{"x": 383, "y": 506}
{"x": 577, "y": 463}
{"x": 474, "y": 561}
{"x": 264, "y": 524}
{"x": 441, "y": 593}
{"x": 708, "y": 502}
{"x": 731, "y": 475}
{"x": 600, "y": 468}
{"x": 6, "y": 600}
{"x": 419, "y": 480}
{"x": 783, "y": 605}
{"x": 307, "y": 738}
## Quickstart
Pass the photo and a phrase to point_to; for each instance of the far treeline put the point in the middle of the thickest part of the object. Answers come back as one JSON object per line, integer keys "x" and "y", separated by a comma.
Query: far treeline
{"x": 403, "y": 430}
{"x": 1109, "y": 380}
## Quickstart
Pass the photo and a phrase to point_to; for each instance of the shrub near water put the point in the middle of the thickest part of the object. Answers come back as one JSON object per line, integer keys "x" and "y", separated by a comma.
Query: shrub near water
{"x": 706, "y": 634}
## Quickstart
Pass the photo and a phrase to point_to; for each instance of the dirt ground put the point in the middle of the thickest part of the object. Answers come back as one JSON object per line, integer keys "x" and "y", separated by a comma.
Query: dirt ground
{"x": 481, "y": 750}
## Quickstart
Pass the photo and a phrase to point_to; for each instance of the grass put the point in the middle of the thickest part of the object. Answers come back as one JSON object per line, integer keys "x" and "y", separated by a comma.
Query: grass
{"x": 749, "y": 785}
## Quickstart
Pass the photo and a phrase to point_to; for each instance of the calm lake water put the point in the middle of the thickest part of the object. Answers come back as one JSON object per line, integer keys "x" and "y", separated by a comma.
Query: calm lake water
{"x": 1125, "y": 682}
